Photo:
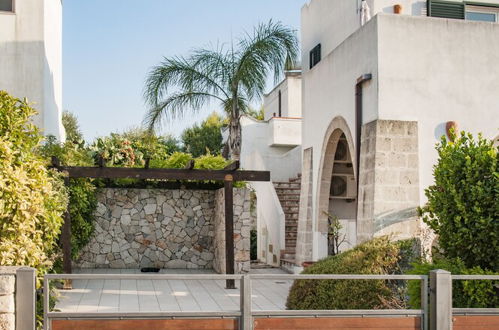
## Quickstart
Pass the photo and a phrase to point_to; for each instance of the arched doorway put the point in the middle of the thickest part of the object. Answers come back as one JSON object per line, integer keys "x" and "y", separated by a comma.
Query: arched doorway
{"x": 338, "y": 188}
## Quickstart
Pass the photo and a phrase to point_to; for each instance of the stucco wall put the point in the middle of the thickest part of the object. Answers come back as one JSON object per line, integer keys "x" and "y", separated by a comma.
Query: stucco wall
{"x": 137, "y": 228}
{"x": 424, "y": 70}
{"x": 443, "y": 70}
{"x": 31, "y": 59}
{"x": 329, "y": 92}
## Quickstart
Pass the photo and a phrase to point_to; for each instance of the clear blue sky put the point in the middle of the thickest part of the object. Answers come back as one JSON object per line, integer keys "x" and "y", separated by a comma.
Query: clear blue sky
{"x": 110, "y": 45}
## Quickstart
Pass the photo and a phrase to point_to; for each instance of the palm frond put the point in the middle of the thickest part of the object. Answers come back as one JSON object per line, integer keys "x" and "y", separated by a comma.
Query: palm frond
{"x": 176, "y": 105}
{"x": 181, "y": 73}
{"x": 268, "y": 49}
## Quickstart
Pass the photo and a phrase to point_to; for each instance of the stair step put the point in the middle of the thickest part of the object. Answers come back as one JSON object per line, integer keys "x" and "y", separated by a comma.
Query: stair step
{"x": 284, "y": 185}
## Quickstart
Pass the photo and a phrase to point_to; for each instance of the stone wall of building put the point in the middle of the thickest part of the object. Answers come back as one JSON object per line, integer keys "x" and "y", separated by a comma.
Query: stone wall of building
{"x": 7, "y": 304}
{"x": 304, "y": 239}
{"x": 162, "y": 228}
{"x": 242, "y": 229}
{"x": 389, "y": 180}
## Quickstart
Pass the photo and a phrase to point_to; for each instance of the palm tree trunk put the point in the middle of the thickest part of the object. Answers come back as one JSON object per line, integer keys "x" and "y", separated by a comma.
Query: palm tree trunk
{"x": 235, "y": 129}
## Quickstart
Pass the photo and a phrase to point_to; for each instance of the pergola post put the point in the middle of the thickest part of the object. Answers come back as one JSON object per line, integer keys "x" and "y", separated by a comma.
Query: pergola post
{"x": 66, "y": 243}
{"x": 229, "y": 228}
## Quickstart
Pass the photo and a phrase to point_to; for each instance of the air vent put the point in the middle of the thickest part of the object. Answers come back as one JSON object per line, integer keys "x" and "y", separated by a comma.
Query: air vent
{"x": 343, "y": 186}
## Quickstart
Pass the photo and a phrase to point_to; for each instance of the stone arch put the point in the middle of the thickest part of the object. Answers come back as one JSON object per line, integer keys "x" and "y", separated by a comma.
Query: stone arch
{"x": 334, "y": 132}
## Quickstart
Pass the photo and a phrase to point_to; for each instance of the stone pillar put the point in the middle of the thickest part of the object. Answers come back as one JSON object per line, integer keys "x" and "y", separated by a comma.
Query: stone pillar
{"x": 17, "y": 298}
{"x": 304, "y": 236}
{"x": 389, "y": 180}
{"x": 242, "y": 230}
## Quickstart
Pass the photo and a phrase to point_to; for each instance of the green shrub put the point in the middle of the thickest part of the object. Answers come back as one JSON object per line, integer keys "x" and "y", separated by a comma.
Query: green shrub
{"x": 462, "y": 204}
{"x": 32, "y": 198}
{"x": 465, "y": 294}
{"x": 378, "y": 256}
{"x": 210, "y": 162}
{"x": 175, "y": 160}
{"x": 205, "y": 138}
{"x": 82, "y": 192}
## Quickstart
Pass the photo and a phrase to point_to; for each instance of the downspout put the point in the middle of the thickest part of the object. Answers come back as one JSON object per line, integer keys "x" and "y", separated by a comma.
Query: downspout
{"x": 358, "y": 122}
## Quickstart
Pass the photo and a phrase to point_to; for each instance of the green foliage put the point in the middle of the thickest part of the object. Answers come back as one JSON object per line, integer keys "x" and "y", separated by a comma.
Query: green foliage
{"x": 70, "y": 123}
{"x": 82, "y": 192}
{"x": 82, "y": 204}
{"x": 378, "y": 256}
{"x": 205, "y": 138}
{"x": 132, "y": 147}
{"x": 176, "y": 160}
{"x": 210, "y": 162}
{"x": 465, "y": 294}
{"x": 257, "y": 114}
{"x": 32, "y": 198}
{"x": 462, "y": 204}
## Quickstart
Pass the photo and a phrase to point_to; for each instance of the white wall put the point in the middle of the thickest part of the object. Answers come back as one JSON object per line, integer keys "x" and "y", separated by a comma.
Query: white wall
{"x": 443, "y": 70}
{"x": 329, "y": 91}
{"x": 282, "y": 162}
{"x": 31, "y": 58}
{"x": 430, "y": 70}
{"x": 290, "y": 89}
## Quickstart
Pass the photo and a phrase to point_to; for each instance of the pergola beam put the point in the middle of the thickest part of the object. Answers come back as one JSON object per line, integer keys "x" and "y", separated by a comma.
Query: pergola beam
{"x": 162, "y": 174}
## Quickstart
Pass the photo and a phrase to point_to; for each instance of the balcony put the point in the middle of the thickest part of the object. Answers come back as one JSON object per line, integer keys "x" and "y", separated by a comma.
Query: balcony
{"x": 284, "y": 132}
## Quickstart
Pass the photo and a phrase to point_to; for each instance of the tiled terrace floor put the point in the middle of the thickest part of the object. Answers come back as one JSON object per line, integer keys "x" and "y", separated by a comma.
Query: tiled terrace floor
{"x": 168, "y": 295}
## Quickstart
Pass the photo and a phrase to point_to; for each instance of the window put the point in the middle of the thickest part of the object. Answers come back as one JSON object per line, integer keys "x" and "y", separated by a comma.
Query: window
{"x": 6, "y": 5}
{"x": 315, "y": 55}
{"x": 279, "y": 104}
{"x": 482, "y": 14}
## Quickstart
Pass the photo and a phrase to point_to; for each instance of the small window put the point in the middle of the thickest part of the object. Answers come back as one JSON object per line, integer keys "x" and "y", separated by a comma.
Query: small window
{"x": 279, "y": 104}
{"x": 315, "y": 56}
{"x": 7, "y": 5}
{"x": 482, "y": 13}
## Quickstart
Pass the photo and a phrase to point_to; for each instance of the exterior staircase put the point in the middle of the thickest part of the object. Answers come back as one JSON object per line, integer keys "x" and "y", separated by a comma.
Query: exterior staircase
{"x": 289, "y": 196}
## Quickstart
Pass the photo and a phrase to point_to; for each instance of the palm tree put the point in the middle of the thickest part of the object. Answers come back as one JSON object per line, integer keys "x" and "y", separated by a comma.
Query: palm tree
{"x": 233, "y": 77}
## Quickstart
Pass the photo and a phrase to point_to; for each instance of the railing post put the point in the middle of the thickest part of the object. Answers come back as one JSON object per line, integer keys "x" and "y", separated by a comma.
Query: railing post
{"x": 246, "y": 318}
{"x": 440, "y": 300}
{"x": 46, "y": 303}
{"x": 25, "y": 298}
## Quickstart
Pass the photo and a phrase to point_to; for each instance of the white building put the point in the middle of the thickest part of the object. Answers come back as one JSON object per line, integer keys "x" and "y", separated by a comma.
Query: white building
{"x": 377, "y": 98}
{"x": 274, "y": 144}
{"x": 31, "y": 57}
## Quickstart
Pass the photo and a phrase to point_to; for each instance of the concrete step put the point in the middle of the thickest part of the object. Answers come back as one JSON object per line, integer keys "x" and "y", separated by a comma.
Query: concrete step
{"x": 288, "y": 197}
{"x": 288, "y": 185}
{"x": 290, "y": 209}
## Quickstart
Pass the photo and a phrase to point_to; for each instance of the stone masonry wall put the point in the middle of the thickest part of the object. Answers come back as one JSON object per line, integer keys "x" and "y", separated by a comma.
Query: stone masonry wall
{"x": 304, "y": 239}
{"x": 7, "y": 305}
{"x": 242, "y": 228}
{"x": 389, "y": 180}
{"x": 152, "y": 228}
{"x": 162, "y": 228}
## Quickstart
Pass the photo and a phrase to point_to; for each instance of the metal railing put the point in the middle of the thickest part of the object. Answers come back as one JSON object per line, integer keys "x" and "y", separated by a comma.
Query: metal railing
{"x": 475, "y": 311}
{"x": 245, "y": 314}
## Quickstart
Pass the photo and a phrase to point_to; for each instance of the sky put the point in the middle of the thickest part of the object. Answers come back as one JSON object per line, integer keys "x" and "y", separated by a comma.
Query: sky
{"x": 109, "y": 47}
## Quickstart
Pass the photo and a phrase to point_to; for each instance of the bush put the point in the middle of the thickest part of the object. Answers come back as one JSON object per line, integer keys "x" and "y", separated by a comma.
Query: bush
{"x": 32, "y": 198}
{"x": 378, "y": 256}
{"x": 462, "y": 204}
{"x": 205, "y": 138}
{"x": 82, "y": 192}
{"x": 465, "y": 294}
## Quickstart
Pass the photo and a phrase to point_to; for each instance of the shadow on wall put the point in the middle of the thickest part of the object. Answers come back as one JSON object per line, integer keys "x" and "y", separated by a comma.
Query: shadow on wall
{"x": 25, "y": 72}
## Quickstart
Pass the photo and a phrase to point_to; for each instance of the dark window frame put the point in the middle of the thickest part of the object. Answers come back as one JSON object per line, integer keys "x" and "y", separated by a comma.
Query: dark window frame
{"x": 279, "y": 103}
{"x": 13, "y": 10}
{"x": 315, "y": 56}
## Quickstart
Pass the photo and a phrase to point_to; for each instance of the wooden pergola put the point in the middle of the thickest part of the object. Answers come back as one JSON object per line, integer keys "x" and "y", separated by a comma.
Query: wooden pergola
{"x": 228, "y": 175}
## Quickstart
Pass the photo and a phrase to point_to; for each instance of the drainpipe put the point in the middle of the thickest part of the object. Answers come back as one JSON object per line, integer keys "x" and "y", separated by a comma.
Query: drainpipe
{"x": 358, "y": 121}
